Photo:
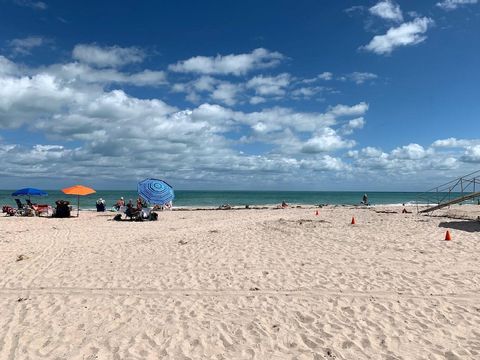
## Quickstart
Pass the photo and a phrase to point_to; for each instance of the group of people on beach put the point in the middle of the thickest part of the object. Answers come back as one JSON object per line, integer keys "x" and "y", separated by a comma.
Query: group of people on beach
{"x": 120, "y": 204}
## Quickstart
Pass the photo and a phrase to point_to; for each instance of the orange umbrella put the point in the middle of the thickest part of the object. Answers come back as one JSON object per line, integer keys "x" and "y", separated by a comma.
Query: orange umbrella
{"x": 78, "y": 190}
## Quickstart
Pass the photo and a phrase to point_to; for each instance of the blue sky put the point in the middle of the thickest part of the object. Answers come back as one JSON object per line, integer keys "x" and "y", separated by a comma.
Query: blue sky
{"x": 304, "y": 95}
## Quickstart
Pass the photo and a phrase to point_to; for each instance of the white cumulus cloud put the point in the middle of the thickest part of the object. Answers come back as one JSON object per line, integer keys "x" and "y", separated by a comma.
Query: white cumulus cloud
{"x": 409, "y": 33}
{"x": 359, "y": 77}
{"x": 269, "y": 85}
{"x": 83, "y": 73}
{"x": 107, "y": 56}
{"x": 472, "y": 154}
{"x": 233, "y": 64}
{"x": 388, "y": 10}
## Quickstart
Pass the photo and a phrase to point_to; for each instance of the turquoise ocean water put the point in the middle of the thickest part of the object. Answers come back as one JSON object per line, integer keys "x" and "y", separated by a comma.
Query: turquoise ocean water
{"x": 187, "y": 198}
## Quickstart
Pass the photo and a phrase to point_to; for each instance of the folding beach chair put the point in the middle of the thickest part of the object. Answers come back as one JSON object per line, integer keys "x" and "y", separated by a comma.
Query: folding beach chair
{"x": 21, "y": 209}
{"x": 8, "y": 210}
{"x": 40, "y": 208}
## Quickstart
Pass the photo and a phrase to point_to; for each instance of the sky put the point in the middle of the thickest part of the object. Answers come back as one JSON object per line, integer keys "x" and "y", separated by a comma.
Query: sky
{"x": 240, "y": 95}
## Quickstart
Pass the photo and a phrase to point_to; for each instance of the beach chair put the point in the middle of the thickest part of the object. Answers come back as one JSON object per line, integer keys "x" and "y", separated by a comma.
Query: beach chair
{"x": 8, "y": 210}
{"x": 43, "y": 209}
{"x": 21, "y": 209}
{"x": 40, "y": 209}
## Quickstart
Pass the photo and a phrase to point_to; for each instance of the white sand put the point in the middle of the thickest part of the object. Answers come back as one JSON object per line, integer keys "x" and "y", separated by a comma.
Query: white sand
{"x": 241, "y": 284}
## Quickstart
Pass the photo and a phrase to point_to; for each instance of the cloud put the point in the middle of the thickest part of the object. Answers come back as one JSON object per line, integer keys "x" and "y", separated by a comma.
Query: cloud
{"x": 36, "y": 5}
{"x": 354, "y": 124}
{"x": 270, "y": 85}
{"x": 323, "y": 76}
{"x": 92, "y": 129}
{"x": 25, "y": 45}
{"x": 345, "y": 110}
{"x": 411, "y": 151}
{"x": 454, "y": 143}
{"x": 326, "y": 75}
{"x": 326, "y": 140}
{"x": 254, "y": 100}
{"x": 325, "y": 163}
{"x": 226, "y": 93}
{"x": 229, "y": 64}
{"x": 453, "y": 4}
{"x": 472, "y": 154}
{"x": 88, "y": 126}
{"x": 206, "y": 86}
{"x": 109, "y": 56}
{"x": 459, "y": 156}
{"x": 256, "y": 90}
{"x": 82, "y": 73}
{"x": 359, "y": 77}
{"x": 306, "y": 92}
{"x": 355, "y": 9}
{"x": 387, "y": 10}
{"x": 409, "y": 33}
{"x": 8, "y": 67}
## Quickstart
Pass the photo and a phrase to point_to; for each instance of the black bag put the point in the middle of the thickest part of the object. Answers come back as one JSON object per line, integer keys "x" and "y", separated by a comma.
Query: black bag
{"x": 118, "y": 217}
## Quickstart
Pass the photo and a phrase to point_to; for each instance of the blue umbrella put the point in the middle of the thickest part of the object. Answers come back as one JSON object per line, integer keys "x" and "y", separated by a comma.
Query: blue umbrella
{"x": 29, "y": 192}
{"x": 155, "y": 191}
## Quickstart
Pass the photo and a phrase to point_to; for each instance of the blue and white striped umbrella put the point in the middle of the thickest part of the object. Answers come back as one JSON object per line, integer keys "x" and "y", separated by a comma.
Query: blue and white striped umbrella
{"x": 155, "y": 191}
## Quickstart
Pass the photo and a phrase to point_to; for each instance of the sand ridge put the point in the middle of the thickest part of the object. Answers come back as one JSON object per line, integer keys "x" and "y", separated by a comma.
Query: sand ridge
{"x": 251, "y": 284}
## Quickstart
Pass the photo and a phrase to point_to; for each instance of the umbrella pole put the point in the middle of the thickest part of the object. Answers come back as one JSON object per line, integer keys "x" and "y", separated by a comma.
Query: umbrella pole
{"x": 78, "y": 204}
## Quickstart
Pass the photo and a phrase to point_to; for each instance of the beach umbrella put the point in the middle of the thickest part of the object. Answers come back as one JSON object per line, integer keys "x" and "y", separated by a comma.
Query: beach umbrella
{"x": 78, "y": 190}
{"x": 155, "y": 191}
{"x": 29, "y": 192}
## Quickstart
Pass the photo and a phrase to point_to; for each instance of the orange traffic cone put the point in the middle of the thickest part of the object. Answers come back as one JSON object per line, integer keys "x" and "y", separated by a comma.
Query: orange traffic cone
{"x": 316, "y": 213}
{"x": 353, "y": 221}
{"x": 447, "y": 236}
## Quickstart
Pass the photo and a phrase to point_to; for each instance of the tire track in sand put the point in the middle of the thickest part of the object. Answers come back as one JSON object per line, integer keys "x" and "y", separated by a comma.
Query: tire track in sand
{"x": 228, "y": 292}
{"x": 58, "y": 254}
{"x": 34, "y": 261}
{"x": 11, "y": 338}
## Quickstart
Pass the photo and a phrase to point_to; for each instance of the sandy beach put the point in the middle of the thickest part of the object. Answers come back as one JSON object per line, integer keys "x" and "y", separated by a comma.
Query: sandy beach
{"x": 241, "y": 284}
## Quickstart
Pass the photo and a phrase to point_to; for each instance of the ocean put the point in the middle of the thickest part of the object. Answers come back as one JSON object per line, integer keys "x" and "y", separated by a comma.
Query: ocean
{"x": 189, "y": 198}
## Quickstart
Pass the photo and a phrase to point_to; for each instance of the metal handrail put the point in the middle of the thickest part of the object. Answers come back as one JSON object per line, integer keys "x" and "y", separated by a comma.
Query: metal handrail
{"x": 443, "y": 193}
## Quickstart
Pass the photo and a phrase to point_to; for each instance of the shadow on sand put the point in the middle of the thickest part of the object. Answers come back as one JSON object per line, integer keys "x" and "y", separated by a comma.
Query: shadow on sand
{"x": 465, "y": 225}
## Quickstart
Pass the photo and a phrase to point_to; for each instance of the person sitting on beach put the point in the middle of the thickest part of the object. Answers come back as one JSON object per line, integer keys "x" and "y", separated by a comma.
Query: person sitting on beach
{"x": 132, "y": 212}
{"x": 63, "y": 209}
{"x": 100, "y": 205}
{"x": 284, "y": 204}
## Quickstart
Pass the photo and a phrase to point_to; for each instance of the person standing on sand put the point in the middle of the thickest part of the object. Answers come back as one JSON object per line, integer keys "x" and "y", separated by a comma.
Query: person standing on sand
{"x": 365, "y": 199}
{"x": 139, "y": 204}
{"x": 119, "y": 203}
